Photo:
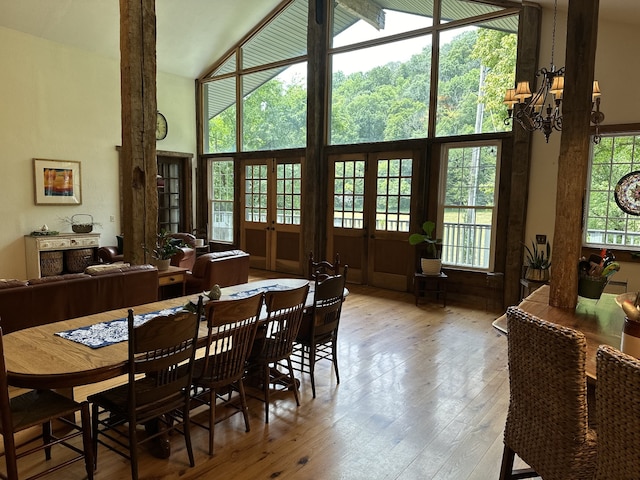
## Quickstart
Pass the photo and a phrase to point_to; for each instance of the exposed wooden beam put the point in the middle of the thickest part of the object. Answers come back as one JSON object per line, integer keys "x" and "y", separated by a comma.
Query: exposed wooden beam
{"x": 582, "y": 32}
{"x": 138, "y": 98}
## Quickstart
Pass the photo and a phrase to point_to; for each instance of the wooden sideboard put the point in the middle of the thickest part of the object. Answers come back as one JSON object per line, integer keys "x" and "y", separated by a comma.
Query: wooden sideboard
{"x": 35, "y": 245}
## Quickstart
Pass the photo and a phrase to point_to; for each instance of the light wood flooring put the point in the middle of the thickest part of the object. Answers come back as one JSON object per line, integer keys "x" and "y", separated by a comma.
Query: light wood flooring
{"x": 423, "y": 395}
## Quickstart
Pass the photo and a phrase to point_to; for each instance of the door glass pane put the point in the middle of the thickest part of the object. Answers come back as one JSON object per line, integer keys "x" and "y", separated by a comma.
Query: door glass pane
{"x": 255, "y": 193}
{"x": 393, "y": 195}
{"x": 348, "y": 197}
{"x": 288, "y": 193}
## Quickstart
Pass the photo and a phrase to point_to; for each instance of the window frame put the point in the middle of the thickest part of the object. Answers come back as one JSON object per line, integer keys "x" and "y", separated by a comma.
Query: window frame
{"x": 442, "y": 191}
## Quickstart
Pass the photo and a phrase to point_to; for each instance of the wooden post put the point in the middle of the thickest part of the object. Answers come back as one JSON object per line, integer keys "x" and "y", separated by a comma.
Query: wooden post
{"x": 138, "y": 98}
{"x": 582, "y": 32}
{"x": 528, "y": 47}
{"x": 314, "y": 178}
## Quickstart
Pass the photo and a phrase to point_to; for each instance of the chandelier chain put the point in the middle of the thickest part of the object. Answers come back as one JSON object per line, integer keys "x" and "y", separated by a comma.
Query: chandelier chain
{"x": 553, "y": 34}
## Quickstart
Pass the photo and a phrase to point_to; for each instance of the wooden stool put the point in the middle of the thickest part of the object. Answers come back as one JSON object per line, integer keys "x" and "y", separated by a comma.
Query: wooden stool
{"x": 422, "y": 282}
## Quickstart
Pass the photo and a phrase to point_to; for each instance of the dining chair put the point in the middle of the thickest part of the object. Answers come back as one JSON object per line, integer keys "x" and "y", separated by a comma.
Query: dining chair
{"x": 547, "y": 419}
{"x": 617, "y": 415}
{"x": 38, "y": 408}
{"x": 322, "y": 268}
{"x": 274, "y": 342}
{"x": 231, "y": 326}
{"x": 158, "y": 389}
{"x": 317, "y": 338}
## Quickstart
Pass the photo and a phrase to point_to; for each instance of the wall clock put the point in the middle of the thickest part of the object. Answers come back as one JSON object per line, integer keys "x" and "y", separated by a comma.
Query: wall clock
{"x": 627, "y": 193}
{"x": 161, "y": 126}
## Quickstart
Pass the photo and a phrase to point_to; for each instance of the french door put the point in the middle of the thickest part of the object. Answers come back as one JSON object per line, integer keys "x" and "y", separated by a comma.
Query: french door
{"x": 271, "y": 205}
{"x": 368, "y": 226}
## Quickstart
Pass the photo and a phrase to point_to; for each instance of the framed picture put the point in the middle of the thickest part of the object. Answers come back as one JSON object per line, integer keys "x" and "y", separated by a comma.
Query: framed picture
{"x": 57, "y": 182}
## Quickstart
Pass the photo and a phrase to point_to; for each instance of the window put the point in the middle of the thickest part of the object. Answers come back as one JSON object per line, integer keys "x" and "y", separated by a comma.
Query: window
{"x": 221, "y": 200}
{"x": 468, "y": 198}
{"x": 256, "y": 98}
{"x": 381, "y": 66}
{"x": 606, "y": 223}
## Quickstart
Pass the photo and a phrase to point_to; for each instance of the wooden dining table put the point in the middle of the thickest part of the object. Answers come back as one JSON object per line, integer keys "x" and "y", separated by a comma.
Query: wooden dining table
{"x": 38, "y": 358}
{"x": 600, "y": 320}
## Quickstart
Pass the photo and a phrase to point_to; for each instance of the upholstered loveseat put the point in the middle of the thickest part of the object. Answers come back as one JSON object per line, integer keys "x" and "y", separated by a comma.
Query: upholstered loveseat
{"x": 184, "y": 258}
{"x": 44, "y": 300}
{"x": 226, "y": 268}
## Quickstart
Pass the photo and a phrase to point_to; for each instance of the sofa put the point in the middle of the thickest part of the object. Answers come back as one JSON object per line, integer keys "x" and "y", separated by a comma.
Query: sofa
{"x": 185, "y": 258}
{"x": 27, "y": 303}
{"x": 226, "y": 268}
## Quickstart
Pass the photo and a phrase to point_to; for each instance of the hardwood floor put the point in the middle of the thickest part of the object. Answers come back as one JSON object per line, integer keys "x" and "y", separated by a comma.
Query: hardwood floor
{"x": 423, "y": 395}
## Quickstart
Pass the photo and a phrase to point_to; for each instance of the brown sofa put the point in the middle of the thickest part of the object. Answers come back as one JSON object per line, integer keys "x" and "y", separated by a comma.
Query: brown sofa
{"x": 185, "y": 258}
{"x": 224, "y": 268}
{"x": 45, "y": 300}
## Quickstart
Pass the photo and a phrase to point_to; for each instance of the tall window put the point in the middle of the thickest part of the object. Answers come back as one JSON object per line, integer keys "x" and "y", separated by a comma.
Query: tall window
{"x": 256, "y": 98}
{"x": 221, "y": 200}
{"x": 468, "y": 199}
{"x": 613, "y": 193}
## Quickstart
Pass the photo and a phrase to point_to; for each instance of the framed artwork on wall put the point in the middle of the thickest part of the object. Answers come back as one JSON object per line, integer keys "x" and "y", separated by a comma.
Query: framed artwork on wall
{"x": 57, "y": 182}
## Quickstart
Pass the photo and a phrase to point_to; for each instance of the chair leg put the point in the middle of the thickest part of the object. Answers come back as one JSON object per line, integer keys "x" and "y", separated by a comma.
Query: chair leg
{"x": 46, "y": 439}
{"x": 87, "y": 445}
{"x": 266, "y": 376}
{"x": 243, "y": 403}
{"x": 94, "y": 433}
{"x": 312, "y": 368}
{"x": 186, "y": 429}
{"x": 334, "y": 354}
{"x": 10, "y": 455}
{"x": 212, "y": 418}
{"x": 292, "y": 379}
{"x": 508, "y": 456}
{"x": 133, "y": 450}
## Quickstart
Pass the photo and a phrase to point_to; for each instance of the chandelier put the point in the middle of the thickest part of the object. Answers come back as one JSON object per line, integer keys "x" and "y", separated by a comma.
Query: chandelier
{"x": 542, "y": 110}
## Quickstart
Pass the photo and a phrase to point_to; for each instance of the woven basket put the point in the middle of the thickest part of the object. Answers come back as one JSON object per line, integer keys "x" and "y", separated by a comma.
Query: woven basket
{"x": 82, "y": 223}
{"x": 77, "y": 260}
{"x": 51, "y": 263}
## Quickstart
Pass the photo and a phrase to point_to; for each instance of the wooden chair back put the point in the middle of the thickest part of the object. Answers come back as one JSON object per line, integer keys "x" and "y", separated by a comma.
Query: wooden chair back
{"x": 284, "y": 316}
{"x": 617, "y": 414}
{"x": 322, "y": 268}
{"x": 157, "y": 349}
{"x": 327, "y": 305}
{"x": 232, "y": 328}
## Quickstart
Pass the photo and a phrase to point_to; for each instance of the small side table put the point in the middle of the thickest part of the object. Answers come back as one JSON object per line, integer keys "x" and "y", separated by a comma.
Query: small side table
{"x": 424, "y": 284}
{"x": 172, "y": 276}
{"x": 527, "y": 287}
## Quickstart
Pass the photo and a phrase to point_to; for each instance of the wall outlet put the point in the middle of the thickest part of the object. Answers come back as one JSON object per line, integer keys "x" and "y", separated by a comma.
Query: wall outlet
{"x": 112, "y": 218}
{"x": 541, "y": 239}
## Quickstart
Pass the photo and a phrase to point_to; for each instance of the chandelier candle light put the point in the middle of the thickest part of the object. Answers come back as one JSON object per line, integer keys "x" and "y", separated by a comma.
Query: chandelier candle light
{"x": 542, "y": 109}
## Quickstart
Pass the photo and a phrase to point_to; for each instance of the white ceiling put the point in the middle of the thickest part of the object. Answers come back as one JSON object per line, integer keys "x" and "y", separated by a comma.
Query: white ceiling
{"x": 191, "y": 34}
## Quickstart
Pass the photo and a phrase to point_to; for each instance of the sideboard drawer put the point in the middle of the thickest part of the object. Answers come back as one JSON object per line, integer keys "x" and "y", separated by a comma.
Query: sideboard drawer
{"x": 54, "y": 244}
{"x": 84, "y": 242}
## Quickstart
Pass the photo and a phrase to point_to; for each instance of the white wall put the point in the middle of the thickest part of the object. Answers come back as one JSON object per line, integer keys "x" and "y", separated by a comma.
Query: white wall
{"x": 616, "y": 66}
{"x": 63, "y": 103}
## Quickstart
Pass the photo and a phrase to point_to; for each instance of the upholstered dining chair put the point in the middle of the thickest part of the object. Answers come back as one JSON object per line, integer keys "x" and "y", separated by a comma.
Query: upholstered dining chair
{"x": 318, "y": 336}
{"x": 274, "y": 342}
{"x": 547, "y": 420}
{"x": 617, "y": 415}
{"x": 231, "y": 326}
{"x": 322, "y": 268}
{"x": 158, "y": 387}
{"x": 38, "y": 408}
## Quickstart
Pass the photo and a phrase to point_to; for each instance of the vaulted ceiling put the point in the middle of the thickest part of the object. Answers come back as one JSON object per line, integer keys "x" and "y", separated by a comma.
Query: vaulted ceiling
{"x": 191, "y": 34}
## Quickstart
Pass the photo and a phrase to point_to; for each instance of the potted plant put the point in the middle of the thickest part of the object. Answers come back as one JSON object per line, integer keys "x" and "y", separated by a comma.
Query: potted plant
{"x": 166, "y": 247}
{"x": 538, "y": 262}
{"x": 430, "y": 261}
